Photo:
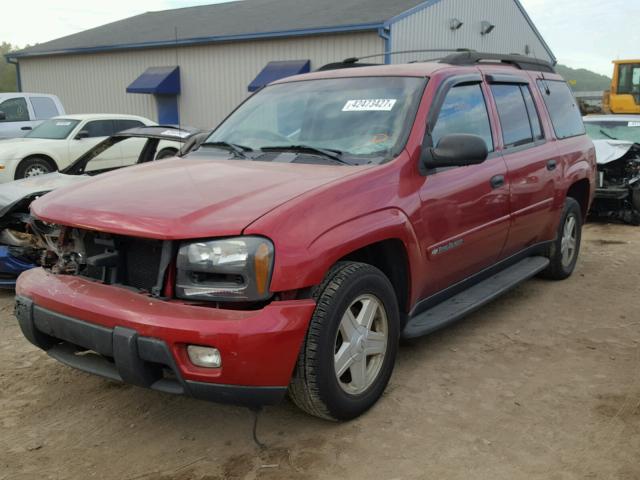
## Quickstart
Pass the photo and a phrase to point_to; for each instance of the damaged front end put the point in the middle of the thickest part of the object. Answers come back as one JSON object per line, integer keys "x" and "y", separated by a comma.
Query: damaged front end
{"x": 20, "y": 247}
{"x": 618, "y": 192}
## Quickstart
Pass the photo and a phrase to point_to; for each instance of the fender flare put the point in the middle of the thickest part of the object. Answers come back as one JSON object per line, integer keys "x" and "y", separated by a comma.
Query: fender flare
{"x": 330, "y": 246}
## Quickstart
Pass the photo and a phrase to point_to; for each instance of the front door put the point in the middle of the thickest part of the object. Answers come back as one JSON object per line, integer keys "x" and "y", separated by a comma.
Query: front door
{"x": 17, "y": 118}
{"x": 465, "y": 210}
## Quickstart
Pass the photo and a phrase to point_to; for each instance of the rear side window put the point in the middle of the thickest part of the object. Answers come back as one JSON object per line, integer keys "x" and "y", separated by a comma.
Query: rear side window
{"x": 15, "y": 110}
{"x": 564, "y": 113}
{"x": 464, "y": 111}
{"x": 100, "y": 128}
{"x": 518, "y": 116}
{"x": 44, "y": 108}
{"x": 127, "y": 124}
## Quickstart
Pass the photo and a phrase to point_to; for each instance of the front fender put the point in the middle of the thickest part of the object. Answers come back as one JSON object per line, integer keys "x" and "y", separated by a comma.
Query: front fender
{"x": 304, "y": 269}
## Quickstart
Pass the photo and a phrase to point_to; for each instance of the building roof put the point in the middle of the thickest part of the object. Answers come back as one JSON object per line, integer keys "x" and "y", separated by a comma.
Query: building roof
{"x": 237, "y": 20}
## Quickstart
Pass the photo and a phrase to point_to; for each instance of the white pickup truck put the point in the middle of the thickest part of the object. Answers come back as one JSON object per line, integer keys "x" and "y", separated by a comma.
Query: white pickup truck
{"x": 22, "y": 112}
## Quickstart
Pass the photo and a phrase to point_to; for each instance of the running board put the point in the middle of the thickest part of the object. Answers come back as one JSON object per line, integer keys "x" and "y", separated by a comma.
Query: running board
{"x": 473, "y": 298}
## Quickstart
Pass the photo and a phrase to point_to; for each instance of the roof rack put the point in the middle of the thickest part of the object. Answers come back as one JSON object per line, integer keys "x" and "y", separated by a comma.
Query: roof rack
{"x": 353, "y": 62}
{"x": 518, "y": 61}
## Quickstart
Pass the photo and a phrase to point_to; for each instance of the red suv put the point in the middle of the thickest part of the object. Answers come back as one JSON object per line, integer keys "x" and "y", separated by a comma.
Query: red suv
{"x": 329, "y": 216}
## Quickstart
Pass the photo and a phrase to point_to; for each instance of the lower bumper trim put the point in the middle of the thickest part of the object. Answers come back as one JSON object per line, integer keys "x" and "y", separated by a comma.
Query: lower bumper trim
{"x": 120, "y": 354}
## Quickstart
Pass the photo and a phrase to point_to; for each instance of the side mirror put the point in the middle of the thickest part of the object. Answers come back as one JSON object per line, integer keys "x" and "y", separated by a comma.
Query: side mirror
{"x": 82, "y": 134}
{"x": 3, "y": 116}
{"x": 455, "y": 150}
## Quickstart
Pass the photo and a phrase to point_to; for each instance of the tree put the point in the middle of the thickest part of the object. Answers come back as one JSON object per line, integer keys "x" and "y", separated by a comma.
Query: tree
{"x": 8, "y": 76}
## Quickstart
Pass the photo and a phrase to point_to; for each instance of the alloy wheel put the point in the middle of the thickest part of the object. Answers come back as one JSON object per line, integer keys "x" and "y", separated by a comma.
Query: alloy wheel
{"x": 361, "y": 344}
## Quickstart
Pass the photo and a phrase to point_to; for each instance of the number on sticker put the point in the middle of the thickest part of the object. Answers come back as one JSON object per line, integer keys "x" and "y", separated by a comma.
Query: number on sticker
{"x": 372, "y": 105}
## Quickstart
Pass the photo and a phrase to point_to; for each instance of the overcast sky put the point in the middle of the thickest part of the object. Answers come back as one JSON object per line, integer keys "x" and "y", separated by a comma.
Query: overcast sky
{"x": 582, "y": 33}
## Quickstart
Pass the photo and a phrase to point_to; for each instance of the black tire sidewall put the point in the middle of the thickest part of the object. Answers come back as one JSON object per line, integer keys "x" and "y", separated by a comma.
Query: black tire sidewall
{"x": 340, "y": 404}
{"x": 571, "y": 207}
{"x": 166, "y": 153}
{"x": 30, "y": 162}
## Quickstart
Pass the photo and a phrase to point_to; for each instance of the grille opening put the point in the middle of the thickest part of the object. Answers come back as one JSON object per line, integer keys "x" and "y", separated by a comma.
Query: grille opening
{"x": 138, "y": 260}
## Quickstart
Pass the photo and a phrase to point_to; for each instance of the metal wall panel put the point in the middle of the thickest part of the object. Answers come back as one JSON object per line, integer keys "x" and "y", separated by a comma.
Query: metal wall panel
{"x": 214, "y": 77}
{"x": 429, "y": 28}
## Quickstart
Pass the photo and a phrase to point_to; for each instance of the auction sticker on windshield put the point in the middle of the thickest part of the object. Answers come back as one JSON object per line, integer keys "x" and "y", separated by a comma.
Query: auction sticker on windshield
{"x": 634, "y": 124}
{"x": 373, "y": 105}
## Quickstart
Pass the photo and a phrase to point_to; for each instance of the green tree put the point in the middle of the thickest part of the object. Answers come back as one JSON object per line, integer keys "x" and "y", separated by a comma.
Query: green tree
{"x": 8, "y": 77}
{"x": 582, "y": 80}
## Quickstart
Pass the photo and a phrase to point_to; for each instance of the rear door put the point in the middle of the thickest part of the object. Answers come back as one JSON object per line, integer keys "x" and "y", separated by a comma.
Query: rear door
{"x": 18, "y": 116}
{"x": 465, "y": 210}
{"x": 533, "y": 167}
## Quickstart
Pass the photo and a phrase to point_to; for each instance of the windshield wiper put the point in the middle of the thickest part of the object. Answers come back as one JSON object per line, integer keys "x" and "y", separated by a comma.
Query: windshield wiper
{"x": 607, "y": 135}
{"x": 239, "y": 150}
{"x": 325, "y": 152}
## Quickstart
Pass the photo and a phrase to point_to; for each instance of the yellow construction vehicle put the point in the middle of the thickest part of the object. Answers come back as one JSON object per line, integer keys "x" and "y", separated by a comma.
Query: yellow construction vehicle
{"x": 624, "y": 96}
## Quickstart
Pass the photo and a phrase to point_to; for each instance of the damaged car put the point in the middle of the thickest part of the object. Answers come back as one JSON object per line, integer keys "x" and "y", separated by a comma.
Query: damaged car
{"x": 617, "y": 142}
{"x": 22, "y": 239}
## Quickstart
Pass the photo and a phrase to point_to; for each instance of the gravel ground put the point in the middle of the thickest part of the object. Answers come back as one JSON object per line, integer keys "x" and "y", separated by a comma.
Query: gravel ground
{"x": 542, "y": 384}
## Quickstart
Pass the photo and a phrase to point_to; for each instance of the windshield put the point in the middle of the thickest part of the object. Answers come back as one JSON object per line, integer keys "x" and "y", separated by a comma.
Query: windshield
{"x": 363, "y": 119}
{"x": 614, "y": 130}
{"x": 55, "y": 129}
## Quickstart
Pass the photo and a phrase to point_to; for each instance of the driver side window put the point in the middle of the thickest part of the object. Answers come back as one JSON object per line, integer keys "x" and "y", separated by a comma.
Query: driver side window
{"x": 464, "y": 111}
{"x": 15, "y": 110}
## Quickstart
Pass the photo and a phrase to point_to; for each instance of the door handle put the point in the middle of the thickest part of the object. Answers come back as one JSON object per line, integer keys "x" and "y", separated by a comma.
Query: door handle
{"x": 26, "y": 128}
{"x": 497, "y": 181}
{"x": 551, "y": 165}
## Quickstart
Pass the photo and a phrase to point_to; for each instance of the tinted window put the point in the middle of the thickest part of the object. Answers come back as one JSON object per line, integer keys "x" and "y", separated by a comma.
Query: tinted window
{"x": 463, "y": 111}
{"x": 564, "y": 113}
{"x": 15, "y": 110}
{"x": 532, "y": 110}
{"x": 127, "y": 124}
{"x": 100, "y": 128}
{"x": 514, "y": 119}
{"x": 43, "y": 108}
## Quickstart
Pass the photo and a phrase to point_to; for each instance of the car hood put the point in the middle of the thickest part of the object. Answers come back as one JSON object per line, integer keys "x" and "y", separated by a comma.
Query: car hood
{"x": 183, "y": 198}
{"x": 608, "y": 151}
{"x": 13, "y": 192}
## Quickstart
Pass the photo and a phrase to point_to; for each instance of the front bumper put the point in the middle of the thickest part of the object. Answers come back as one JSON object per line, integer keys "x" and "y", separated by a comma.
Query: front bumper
{"x": 123, "y": 335}
{"x": 11, "y": 267}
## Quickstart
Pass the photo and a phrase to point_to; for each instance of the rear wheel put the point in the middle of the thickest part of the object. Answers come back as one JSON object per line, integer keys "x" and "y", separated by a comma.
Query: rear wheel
{"x": 166, "y": 153}
{"x": 564, "y": 251}
{"x": 32, "y": 167}
{"x": 350, "y": 348}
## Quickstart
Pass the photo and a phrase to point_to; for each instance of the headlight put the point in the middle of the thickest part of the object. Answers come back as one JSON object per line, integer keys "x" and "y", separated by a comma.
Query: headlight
{"x": 230, "y": 270}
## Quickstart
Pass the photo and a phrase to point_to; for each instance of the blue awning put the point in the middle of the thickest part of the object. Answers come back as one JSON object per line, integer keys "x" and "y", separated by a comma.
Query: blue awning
{"x": 158, "y": 81}
{"x": 277, "y": 70}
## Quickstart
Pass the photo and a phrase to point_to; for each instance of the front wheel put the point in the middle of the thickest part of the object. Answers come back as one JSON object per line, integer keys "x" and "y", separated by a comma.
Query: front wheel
{"x": 33, "y": 167}
{"x": 350, "y": 349}
{"x": 563, "y": 253}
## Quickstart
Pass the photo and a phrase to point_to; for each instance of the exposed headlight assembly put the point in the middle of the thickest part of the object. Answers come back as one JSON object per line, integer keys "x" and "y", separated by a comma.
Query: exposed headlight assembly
{"x": 228, "y": 270}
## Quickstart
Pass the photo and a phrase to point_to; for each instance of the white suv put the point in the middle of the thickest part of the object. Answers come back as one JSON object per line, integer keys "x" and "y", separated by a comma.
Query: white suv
{"x": 22, "y": 112}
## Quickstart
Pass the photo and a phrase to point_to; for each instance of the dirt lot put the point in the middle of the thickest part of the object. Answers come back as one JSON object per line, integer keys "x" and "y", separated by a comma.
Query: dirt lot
{"x": 542, "y": 384}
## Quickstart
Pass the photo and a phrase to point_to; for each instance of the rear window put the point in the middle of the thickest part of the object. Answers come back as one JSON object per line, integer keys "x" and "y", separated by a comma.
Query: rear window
{"x": 44, "y": 108}
{"x": 564, "y": 113}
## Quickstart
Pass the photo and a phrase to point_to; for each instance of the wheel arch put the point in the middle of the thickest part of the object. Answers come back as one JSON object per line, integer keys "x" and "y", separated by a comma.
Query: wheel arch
{"x": 49, "y": 159}
{"x": 384, "y": 239}
{"x": 580, "y": 191}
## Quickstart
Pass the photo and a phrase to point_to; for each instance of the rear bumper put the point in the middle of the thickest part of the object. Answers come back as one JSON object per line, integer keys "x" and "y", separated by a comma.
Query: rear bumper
{"x": 11, "y": 267}
{"x": 142, "y": 341}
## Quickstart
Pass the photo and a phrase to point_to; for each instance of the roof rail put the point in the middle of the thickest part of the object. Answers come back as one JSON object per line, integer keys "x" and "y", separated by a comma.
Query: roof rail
{"x": 518, "y": 61}
{"x": 353, "y": 62}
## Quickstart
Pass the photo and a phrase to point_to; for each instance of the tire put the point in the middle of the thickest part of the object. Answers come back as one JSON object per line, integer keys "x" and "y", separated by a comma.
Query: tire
{"x": 33, "y": 166}
{"x": 315, "y": 386}
{"x": 562, "y": 264}
{"x": 166, "y": 153}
